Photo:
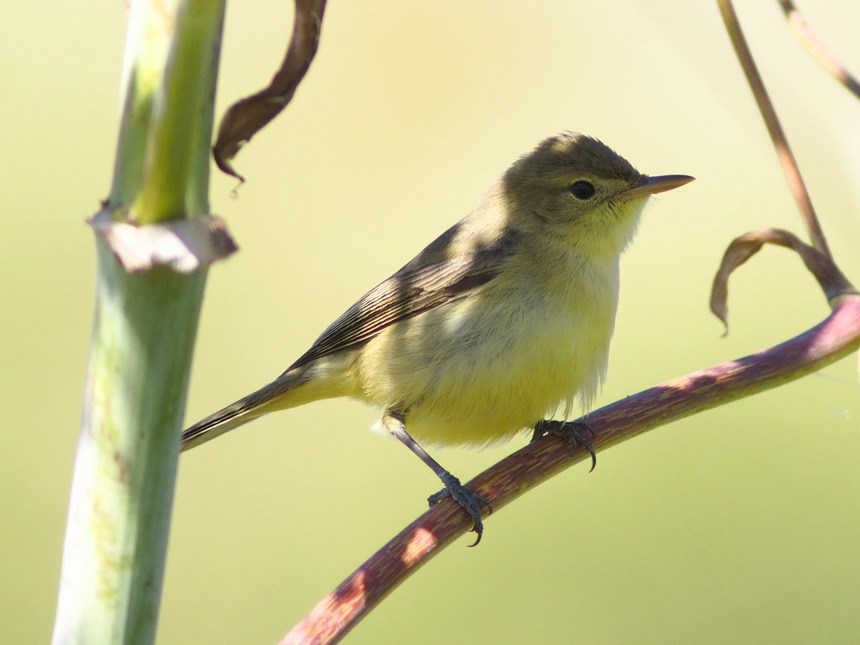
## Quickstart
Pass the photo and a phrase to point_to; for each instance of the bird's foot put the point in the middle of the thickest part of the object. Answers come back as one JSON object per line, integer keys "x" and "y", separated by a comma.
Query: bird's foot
{"x": 468, "y": 499}
{"x": 578, "y": 433}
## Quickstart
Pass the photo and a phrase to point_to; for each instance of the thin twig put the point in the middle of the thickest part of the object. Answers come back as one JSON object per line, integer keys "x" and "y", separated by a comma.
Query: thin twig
{"x": 783, "y": 150}
{"x": 815, "y": 47}
{"x": 341, "y": 610}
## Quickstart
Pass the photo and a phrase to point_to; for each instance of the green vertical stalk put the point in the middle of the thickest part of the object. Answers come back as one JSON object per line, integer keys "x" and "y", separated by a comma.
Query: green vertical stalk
{"x": 143, "y": 337}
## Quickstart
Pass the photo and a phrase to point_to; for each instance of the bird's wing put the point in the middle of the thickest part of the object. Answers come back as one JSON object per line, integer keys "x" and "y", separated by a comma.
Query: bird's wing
{"x": 428, "y": 281}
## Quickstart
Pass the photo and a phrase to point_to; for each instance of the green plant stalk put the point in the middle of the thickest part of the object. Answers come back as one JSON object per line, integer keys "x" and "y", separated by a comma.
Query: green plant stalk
{"x": 143, "y": 337}
{"x": 127, "y": 454}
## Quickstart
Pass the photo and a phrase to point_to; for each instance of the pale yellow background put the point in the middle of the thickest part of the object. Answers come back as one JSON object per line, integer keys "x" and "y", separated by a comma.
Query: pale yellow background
{"x": 739, "y": 525}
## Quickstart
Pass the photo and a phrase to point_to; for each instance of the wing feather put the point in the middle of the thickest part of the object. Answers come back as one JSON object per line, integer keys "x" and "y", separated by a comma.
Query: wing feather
{"x": 428, "y": 281}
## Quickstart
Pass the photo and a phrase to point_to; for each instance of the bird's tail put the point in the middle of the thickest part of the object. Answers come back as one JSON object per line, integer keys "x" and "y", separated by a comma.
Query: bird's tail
{"x": 256, "y": 404}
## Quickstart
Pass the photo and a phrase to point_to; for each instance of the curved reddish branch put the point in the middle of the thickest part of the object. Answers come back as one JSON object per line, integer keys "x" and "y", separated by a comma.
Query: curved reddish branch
{"x": 341, "y": 610}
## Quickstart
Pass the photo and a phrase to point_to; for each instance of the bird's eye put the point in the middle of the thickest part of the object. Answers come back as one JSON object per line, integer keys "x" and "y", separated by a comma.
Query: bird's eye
{"x": 582, "y": 189}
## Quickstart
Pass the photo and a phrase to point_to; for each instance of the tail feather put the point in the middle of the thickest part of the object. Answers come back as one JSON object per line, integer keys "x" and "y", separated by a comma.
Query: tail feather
{"x": 239, "y": 413}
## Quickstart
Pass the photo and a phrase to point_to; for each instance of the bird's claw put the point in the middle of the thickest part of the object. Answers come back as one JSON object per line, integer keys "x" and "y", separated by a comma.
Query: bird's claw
{"x": 468, "y": 500}
{"x": 578, "y": 433}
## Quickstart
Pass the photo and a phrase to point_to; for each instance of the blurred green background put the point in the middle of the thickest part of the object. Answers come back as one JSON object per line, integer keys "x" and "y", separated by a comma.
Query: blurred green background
{"x": 738, "y": 525}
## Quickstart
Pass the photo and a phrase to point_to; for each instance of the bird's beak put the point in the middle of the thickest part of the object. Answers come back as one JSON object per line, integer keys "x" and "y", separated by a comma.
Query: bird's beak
{"x": 652, "y": 185}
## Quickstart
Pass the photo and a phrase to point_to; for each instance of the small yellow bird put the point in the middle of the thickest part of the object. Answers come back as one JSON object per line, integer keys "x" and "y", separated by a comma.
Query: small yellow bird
{"x": 501, "y": 320}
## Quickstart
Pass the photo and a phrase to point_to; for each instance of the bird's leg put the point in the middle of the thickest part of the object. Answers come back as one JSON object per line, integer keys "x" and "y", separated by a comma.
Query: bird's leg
{"x": 469, "y": 500}
{"x": 578, "y": 433}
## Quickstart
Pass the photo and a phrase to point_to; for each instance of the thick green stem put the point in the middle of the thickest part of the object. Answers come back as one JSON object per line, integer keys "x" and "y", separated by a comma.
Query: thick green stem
{"x": 143, "y": 337}
{"x": 127, "y": 454}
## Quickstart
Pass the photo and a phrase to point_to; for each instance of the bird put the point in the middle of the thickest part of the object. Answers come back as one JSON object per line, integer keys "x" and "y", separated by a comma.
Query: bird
{"x": 504, "y": 318}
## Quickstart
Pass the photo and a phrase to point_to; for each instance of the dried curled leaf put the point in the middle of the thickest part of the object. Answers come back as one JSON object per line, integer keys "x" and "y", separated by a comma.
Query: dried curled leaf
{"x": 183, "y": 245}
{"x": 250, "y": 115}
{"x": 830, "y": 278}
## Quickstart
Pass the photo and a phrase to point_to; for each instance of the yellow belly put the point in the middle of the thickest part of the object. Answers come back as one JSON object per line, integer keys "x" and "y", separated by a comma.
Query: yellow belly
{"x": 475, "y": 373}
